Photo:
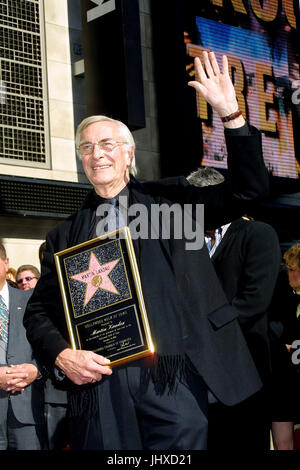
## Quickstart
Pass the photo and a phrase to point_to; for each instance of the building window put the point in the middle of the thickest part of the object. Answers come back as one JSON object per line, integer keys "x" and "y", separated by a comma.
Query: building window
{"x": 23, "y": 100}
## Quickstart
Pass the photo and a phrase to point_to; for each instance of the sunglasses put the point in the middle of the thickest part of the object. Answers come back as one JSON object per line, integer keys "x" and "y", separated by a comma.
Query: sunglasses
{"x": 26, "y": 279}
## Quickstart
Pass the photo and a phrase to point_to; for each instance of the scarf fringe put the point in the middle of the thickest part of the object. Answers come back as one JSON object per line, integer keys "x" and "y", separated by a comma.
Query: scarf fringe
{"x": 163, "y": 371}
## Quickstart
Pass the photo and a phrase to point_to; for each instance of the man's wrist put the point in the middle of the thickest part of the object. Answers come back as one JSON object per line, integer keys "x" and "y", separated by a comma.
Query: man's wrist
{"x": 235, "y": 123}
{"x": 58, "y": 369}
{"x": 60, "y": 357}
{"x": 232, "y": 116}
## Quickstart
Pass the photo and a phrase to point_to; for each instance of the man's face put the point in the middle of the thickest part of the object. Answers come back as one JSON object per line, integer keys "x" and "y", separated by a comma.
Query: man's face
{"x": 106, "y": 170}
{"x": 3, "y": 271}
{"x": 294, "y": 277}
{"x": 26, "y": 280}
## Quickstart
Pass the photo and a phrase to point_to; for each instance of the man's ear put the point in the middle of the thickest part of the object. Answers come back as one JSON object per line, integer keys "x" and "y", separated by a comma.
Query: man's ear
{"x": 130, "y": 155}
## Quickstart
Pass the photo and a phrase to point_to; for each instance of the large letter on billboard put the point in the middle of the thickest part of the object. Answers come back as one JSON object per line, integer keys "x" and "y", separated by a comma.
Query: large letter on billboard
{"x": 237, "y": 5}
{"x": 264, "y": 97}
{"x": 288, "y": 6}
{"x": 267, "y": 12}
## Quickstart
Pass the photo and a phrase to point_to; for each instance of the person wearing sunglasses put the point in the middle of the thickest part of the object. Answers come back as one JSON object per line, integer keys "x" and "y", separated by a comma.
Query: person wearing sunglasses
{"x": 27, "y": 276}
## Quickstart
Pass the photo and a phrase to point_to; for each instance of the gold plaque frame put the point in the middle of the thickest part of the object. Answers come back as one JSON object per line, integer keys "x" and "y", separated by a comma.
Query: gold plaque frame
{"x": 102, "y": 297}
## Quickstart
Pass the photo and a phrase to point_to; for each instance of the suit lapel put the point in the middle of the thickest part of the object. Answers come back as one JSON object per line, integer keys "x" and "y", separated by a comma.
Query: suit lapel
{"x": 16, "y": 332}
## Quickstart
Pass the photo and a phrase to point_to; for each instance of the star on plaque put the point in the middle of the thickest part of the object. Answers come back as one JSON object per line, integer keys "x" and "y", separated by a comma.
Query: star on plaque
{"x": 97, "y": 277}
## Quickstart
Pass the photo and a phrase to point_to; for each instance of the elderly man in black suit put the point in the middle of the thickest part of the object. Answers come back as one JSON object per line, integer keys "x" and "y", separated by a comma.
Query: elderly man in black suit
{"x": 246, "y": 256}
{"x": 21, "y": 395}
{"x": 159, "y": 402}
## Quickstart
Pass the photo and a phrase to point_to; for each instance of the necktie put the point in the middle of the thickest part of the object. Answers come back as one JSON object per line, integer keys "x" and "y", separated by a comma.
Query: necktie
{"x": 3, "y": 321}
{"x": 112, "y": 221}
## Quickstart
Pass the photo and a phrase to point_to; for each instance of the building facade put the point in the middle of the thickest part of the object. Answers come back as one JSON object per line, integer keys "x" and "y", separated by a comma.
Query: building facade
{"x": 42, "y": 100}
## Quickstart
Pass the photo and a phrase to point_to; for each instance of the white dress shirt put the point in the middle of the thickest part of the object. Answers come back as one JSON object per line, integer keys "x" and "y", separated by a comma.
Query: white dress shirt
{"x": 219, "y": 234}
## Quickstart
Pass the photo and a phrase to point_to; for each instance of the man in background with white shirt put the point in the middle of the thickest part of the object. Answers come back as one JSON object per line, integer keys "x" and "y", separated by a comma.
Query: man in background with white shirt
{"x": 21, "y": 398}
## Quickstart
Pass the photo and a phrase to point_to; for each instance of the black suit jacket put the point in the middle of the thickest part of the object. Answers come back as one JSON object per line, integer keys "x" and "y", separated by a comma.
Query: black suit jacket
{"x": 27, "y": 405}
{"x": 247, "y": 263}
{"x": 220, "y": 355}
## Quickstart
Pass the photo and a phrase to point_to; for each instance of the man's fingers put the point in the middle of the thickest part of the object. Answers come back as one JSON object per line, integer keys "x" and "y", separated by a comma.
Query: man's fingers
{"x": 199, "y": 89}
{"x": 214, "y": 63}
{"x": 225, "y": 68}
{"x": 209, "y": 70}
{"x": 15, "y": 373}
{"x": 17, "y": 387}
{"x": 97, "y": 367}
{"x": 15, "y": 378}
{"x": 200, "y": 70}
{"x": 103, "y": 361}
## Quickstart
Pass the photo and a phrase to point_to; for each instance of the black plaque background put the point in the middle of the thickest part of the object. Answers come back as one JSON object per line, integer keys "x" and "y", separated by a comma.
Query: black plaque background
{"x": 74, "y": 323}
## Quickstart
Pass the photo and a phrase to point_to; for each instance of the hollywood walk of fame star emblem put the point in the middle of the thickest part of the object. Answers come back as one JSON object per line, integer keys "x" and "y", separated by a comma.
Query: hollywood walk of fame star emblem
{"x": 97, "y": 277}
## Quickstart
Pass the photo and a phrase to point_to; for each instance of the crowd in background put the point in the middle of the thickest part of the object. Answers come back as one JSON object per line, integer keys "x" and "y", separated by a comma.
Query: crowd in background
{"x": 50, "y": 418}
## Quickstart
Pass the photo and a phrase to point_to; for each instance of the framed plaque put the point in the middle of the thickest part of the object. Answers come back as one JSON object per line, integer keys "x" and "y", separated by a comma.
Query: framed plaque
{"x": 102, "y": 297}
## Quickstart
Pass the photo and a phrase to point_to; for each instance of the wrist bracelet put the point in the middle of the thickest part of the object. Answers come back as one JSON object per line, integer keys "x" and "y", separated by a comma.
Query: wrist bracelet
{"x": 231, "y": 116}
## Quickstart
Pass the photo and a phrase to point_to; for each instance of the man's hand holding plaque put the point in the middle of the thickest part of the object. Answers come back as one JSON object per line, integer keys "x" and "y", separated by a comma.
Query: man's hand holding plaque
{"x": 83, "y": 367}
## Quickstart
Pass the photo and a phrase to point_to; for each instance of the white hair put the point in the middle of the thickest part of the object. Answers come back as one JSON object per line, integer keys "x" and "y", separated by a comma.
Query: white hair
{"x": 125, "y": 132}
{"x": 205, "y": 176}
